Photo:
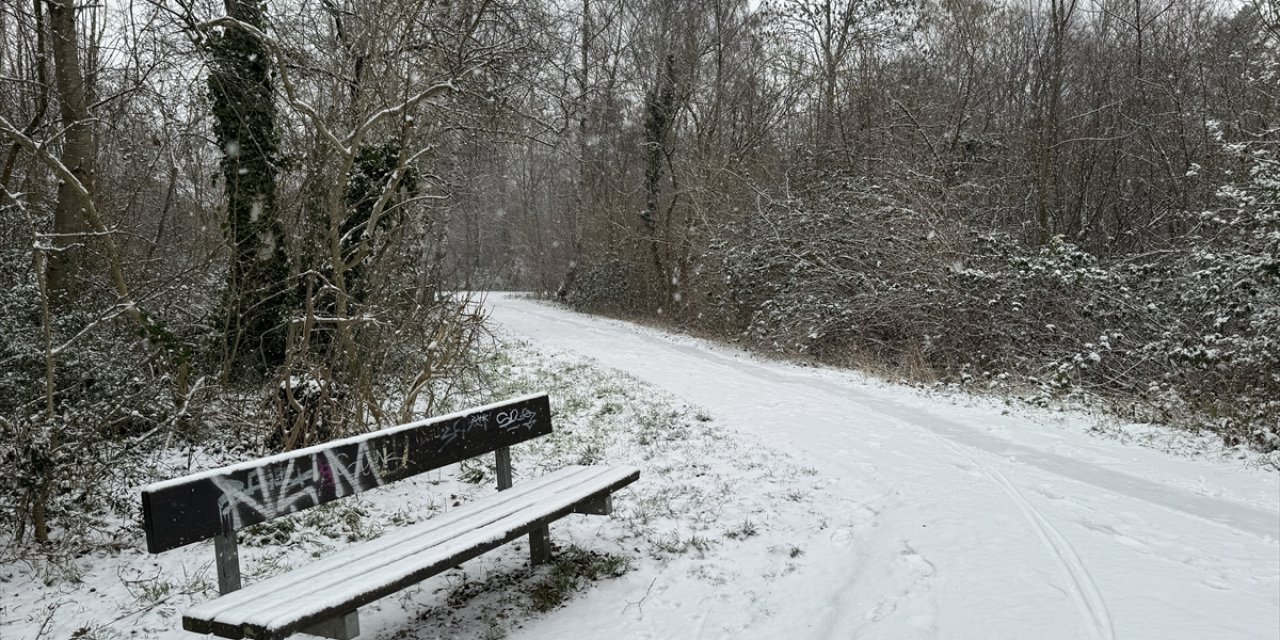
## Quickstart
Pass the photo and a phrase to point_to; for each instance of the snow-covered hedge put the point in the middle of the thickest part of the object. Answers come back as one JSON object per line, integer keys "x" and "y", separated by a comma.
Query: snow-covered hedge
{"x": 1188, "y": 334}
{"x": 62, "y": 445}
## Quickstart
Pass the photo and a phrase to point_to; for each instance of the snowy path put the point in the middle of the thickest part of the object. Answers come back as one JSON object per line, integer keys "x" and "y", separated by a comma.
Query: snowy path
{"x": 941, "y": 518}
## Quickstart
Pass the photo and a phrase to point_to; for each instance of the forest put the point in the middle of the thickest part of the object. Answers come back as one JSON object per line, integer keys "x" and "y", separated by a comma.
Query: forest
{"x": 270, "y": 219}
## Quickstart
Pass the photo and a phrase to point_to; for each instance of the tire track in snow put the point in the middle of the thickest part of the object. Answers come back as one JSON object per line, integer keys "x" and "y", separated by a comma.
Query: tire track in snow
{"x": 1084, "y": 591}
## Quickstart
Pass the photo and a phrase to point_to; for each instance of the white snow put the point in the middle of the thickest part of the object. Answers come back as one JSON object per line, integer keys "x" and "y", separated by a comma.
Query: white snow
{"x": 774, "y": 501}
{"x": 936, "y": 517}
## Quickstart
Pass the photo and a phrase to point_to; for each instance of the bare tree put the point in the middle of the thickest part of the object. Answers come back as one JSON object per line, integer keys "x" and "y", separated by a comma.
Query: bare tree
{"x": 78, "y": 152}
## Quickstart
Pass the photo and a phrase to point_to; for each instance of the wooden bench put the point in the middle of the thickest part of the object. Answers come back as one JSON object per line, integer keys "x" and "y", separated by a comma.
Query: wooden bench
{"x": 321, "y": 598}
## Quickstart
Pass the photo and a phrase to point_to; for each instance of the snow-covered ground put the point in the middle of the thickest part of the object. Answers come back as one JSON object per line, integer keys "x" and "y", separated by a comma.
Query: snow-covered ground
{"x": 775, "y": 501}
{"x": 935, "y": 518}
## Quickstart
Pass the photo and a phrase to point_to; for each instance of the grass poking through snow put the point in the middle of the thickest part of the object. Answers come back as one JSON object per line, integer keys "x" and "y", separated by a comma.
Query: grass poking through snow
{"x": 705, "y": 496}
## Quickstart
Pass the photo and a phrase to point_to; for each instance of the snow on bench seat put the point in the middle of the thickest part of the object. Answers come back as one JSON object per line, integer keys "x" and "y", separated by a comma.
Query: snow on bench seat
{"x": 330, "y": 587}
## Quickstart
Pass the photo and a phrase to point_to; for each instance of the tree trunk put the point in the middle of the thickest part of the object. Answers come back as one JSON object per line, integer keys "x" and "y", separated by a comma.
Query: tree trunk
{"x": 243, "y": 96}
{"x": 660, "y": 114}
{"x": 77, "y": 151}
{"x": 1048, "y": 178}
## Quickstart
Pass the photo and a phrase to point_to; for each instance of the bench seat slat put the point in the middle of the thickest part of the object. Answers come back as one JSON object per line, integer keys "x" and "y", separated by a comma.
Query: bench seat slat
{"x": 337, "y": 590}
{"x": 361, "y": 574}
{"x": 378, "y": 547}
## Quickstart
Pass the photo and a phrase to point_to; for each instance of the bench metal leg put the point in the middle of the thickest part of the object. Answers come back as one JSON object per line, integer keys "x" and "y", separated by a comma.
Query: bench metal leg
{"x": 503, "y": 459}
{"x": 540, "y": 545}
{"x": 343, "y": 627}
{"x": 227, "y": 557}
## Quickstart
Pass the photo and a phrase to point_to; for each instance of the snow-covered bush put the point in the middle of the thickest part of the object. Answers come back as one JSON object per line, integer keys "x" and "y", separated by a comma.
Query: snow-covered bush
{"x": 1189, "y": 334}
{"x": 62, "y": 443}
{"x": 842, "y": 269}
{"x": 1231, "y": 296}
{"x": 604, "y": 285}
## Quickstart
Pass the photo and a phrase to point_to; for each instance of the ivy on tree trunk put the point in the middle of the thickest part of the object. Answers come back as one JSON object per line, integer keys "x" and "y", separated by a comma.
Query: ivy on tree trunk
{"x": 659, "y": 116}
{"x": 242, "y": 93}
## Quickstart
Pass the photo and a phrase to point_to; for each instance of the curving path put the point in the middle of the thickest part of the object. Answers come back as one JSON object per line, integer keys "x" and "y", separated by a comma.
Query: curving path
{"x": 949, "y": 518}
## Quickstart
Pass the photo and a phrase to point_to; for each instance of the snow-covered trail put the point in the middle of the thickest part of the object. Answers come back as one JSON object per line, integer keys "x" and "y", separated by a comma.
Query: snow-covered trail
{"x": 942, "y": 518}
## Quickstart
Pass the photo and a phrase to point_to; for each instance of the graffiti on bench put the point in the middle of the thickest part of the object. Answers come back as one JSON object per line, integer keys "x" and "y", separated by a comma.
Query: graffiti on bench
{"x": 183, "y": 511}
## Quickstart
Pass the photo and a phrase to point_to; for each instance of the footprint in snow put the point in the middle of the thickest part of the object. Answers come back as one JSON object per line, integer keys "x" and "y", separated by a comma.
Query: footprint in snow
{"x": 1049, "y": 492}
{"x": 841, "y": 537}
{"x": 1121, "y": 538}
{"x": 921, "y": 567}
{"x": 882, "y": 610}
{"x": 922, "y": 570}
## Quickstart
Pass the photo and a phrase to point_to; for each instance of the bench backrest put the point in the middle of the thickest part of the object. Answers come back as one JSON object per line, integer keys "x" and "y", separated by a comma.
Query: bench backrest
{"x": 200, "y": 506}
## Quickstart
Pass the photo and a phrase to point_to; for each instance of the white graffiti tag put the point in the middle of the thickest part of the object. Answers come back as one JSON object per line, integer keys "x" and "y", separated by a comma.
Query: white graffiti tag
{"x": 452, "y": 433}
{"x": 268, "y": 493}
{"x": 517, "y": 419}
